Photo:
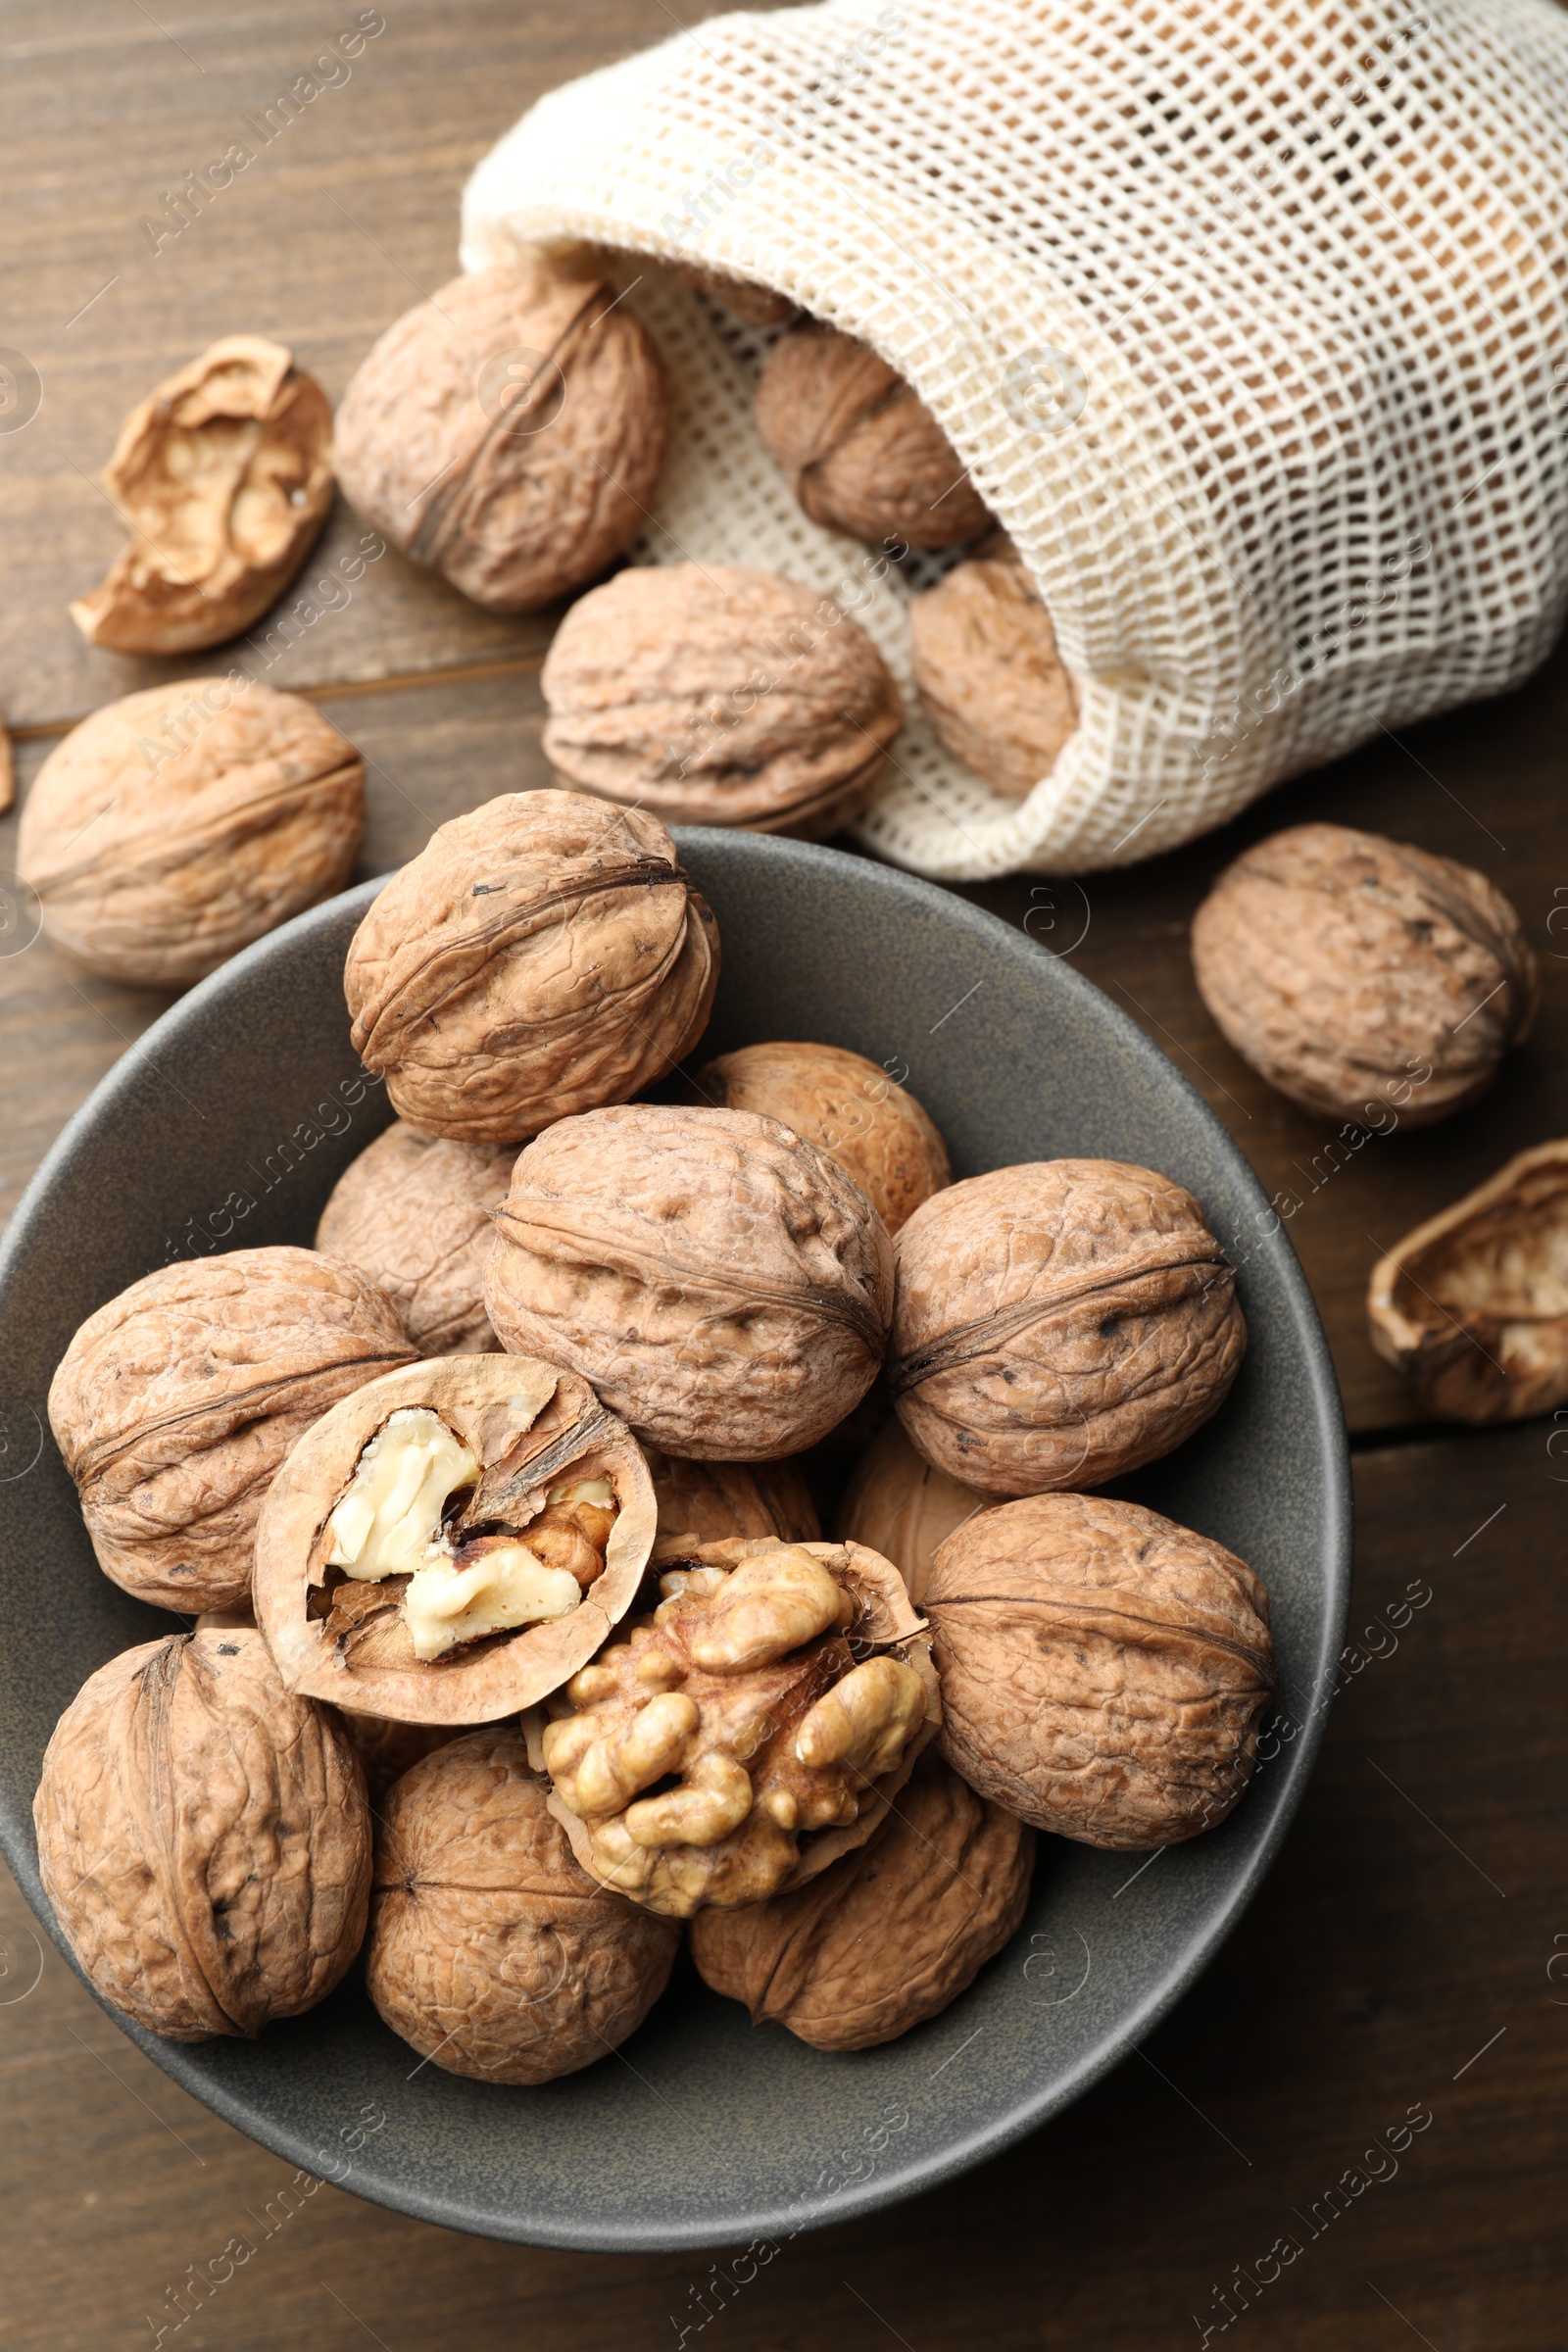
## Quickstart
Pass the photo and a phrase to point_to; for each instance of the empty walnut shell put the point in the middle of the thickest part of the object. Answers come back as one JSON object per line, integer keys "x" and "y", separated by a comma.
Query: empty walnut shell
{"x": 508, "y": 433}
{"x": 225, "y": 477}
{"x": 175, "y": 1403}
{"x": 171, "y": 828}
{"x": 1059, "y": 1324}
{"x": 719, "y": 695}
{"x": 1473, "y": 1304}
{"x": 490, "y": 1951}
{"x": 1103, "y": 1671}
{"x": 876, "y": 1132}
{"x": 705, "y": 1503}
{"x": 898, "y": 1505}
{"x": 541, "y": 955}
{"x": 785, "y": 1689}
{"x": 860, "y": 452}
{"x": 1354, "y": 973}
{"x": 204, "y": 1838}
{"x": 530, "y": 1429}
{"x": 990, "y": 675}
{"x": 753, "y": 305}
{"x": 413, "y": 1215}
{"x": 891, "y": 1933}
{"x": 722, "y": 1283}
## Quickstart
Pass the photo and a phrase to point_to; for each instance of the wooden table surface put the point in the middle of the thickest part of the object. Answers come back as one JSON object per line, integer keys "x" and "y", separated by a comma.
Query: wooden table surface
{"x": 1410, "y": 1953}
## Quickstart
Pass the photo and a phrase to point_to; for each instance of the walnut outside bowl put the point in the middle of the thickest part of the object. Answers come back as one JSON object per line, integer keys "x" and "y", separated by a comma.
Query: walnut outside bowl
{"x": 715, "y": 2134}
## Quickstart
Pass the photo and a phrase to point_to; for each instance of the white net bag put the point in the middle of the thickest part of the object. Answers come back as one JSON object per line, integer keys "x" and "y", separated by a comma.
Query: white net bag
{"x": 1247, "y": 319}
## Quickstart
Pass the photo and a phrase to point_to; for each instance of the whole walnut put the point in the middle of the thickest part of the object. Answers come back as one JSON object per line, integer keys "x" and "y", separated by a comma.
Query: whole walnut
{"x": 224, "y": 474}
{"x": 896, "y": 1504}
{"x": 785, "y": 1689}
{"x": 718, "y": 695}
{"x": 174, "y": 1405}
{"x": 751, "y": 303}
{"x": 508, "y": 432}
{"x": 853, "y": 1110}
{"x": 171, "y": 828}
{"x": 490, "y": 1951}
{"x": 721, "y": 1281}
{"x": 204, "y": 1839}
{"x": 988, "y": 673}
{"x": 541, "y": 955}
{"x": 1059, "y": 1324}
{"x": 1103, "y": 1671}
{"x": 387, "y": 1750}
{"x": 413, "y": 1215}
{"x": 891, "y": 1933}
{"x": 704, "y": 1502}
{"x": 860, "y": 452}
{"x": 1360, "y": 975}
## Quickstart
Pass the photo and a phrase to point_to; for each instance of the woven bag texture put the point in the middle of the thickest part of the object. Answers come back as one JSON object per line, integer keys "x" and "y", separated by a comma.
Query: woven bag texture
{"x": 1248, "y": 321}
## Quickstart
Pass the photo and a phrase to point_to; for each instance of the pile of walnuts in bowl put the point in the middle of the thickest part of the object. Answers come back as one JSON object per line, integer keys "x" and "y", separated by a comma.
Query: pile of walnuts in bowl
{"x": 512, "y": 1641}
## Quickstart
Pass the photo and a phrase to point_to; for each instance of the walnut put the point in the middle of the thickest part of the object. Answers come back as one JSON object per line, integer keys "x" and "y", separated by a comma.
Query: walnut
{"x": 387, "y": 1750}
{"x": 413, "y": 1215}
{"x": 718, "y": 695}
{"x": 171, "y": 828}
{"x": 175, "y": 1404}
{"x": 508, "y": 433}
{"x": 541, "y": 955}
{"x": 988, "y": 673}
{"x": 1360, "y": 975}
{"x": 225, "y": 477}
{"x": 896, "y": 1504}
{"x": 1059, "y": 1324}
{"x": 451, "y": 1542}
{"x": 204, "y": 1838}
{"x": 1103, "y": 1671}
{"x": 722, "y": 1283}
{"x": 8, "y": 771}
{"x": 891, "y": 1933}
{"x": 1473, "y": 1304}
{"x": 785, "y": 1689}
{"x": 751, "y": 303}
{"x": 490, "y": 1950}
{"x": 704, "y": 1502}
{"x": 861, "y": 454}
{"x": 854, "y": 1112}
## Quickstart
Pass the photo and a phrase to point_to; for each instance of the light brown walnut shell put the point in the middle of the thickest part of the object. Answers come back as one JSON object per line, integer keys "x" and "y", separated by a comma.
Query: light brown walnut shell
{"x": 718, "y": 695}
{"x": 541, "y": 955}
{"x": 387, "y": 1750}
{"x": 1360, "y": 975}
{"x": 891, "y": 1933}
{"x": 204, "y": 1838}
{"x": 721, "y": 1282}
{"x": 705, "y": 1502}
{"x": 490, "y": 1951}
{"x": 1103, "y": 1671}
{"x": 174, "y": 1405}
{"x": 171, "y": 828}
{"x": 898, "y": 1505}
{"x": 224, "y": 475}
{"x": 508, "y": 432}
{"x": 988, "y": 673}
{"x": 753, "y": 305}
{"x": 413, "y": 1215}
{"x": 1061, "y": 1323}
{"x": 878, "y": 1133}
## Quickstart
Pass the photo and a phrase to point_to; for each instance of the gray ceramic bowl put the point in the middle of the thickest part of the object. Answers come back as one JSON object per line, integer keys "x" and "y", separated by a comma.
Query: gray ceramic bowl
{"x": 700, "y": 2132}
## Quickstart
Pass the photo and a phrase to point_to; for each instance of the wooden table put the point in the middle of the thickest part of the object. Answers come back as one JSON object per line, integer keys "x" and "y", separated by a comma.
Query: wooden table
{"x": 1410, "y": 1951}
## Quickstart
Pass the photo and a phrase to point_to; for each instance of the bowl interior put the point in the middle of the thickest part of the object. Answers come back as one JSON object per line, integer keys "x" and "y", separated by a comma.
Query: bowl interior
{"x": 227, "y": 1126}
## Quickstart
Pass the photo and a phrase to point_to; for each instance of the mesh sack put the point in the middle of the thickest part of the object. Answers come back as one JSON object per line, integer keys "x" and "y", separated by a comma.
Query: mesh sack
{"x": 1247, "y": 322}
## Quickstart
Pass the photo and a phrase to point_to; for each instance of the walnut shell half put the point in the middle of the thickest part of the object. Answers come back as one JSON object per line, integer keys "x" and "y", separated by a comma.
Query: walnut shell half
{"x": 898, "y": 1505}
{"x": 707, "y": 1503}
{"x": 853, "y": 1109}
{"x": 988, "y": 673}
{"x": 413, "y": 1214}
{"x": 204, "y": 1838}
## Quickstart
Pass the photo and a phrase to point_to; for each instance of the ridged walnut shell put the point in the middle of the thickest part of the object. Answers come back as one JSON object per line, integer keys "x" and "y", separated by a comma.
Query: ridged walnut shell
{"x": 890, "y": 1935}
{"x": 541, "y": 955}
{"x": 204, "y": 1838}
{"x": 155, "y": 863}
{"x": 718, "y": 695}
{"x": 174, "y": 1405}
{"x": 879, "y": 1134}
{"x": 1059, "y": 1324}
{"x": 531, "y": 1427}
{"x": 413, "y": 1214}
{"x": 861, "y": 452}
{"x": 1103, "y": 1671}
{"x": 508, "y": 433}
{"x": 490, "y": 1951}
{"x": 988, "y": 673}
{"x": 1356, "y": 973}
{"x": 705, "y": 1502}
{"x": 225, "y": 475}
{"x": 1473, "y": 1304}
{"x": 898, "y": 1505}
{"x": 721, "y": 1282}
